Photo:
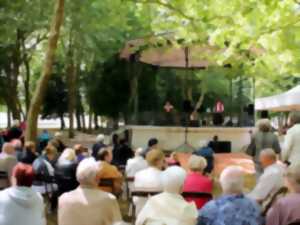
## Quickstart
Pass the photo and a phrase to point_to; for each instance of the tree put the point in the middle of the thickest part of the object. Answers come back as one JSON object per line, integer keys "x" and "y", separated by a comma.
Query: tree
{"x": 34, "y": 110}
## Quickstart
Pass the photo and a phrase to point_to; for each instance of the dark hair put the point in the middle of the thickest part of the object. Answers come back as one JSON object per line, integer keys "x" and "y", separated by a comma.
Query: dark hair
{"x": 102, "y": 153}
{"x": 24, "y": 174}
{"x": 115, "y": 139}
{"x": 152, "y": 142}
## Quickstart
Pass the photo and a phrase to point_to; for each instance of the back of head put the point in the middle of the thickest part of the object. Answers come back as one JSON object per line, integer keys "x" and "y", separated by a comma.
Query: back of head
{"x": 152, "y": 142}
{"x": 139, "y": 152}
{"x": 232, "y": 180}
{"x": 17, "y": 144}
{"x": 30, "y": 146}
{"x": 154, "y": 156}
{"x": 67, "y": 155}
{"x": 50, "y": 150}
{"x": 293, "y": 177}
{"x": 197, "y": 163}
{"x": 58, "y": 135}
{"x": 267, "y": 157}
{"x": 87, "y": 171}
{"x": 8, "y": 149}
{"x": 173, "y": 179}
{"x": 100, "y": 138}
{"x": 264, "y": 125}
{"x": 23, "y": 175}
{"x": 103, "y": 153}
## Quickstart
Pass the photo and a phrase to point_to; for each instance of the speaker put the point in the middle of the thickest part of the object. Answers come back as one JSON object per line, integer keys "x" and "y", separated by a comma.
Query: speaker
{"x": 187, "y": 106}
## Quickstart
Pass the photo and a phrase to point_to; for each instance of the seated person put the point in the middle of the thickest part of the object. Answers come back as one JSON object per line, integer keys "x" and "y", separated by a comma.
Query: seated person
{"x": 169, "y": 207}
{"x": 8, "y": 161}
{"x": 87, "y": 205}
{"x": 20, "y": 205}
{"x": 206, "y": 152}
{"x": 122, "y": 153}
{"x": 44, "y": 172}
{"x": 173, "y": 160}
{"x": 18, "y": 146}
{"x": 65, "y": 171}
{"x": 98, "y": 145}
{"x": 149, "y": 179}
{"x": 58, "y": 143}
{"x": 196, "y": 181}
{"x": 81, "y": 152}
{"x": 152, "y": 144}
{"x": 136, "y": 164}
{"x": 233, "y": 207}
{"x": 271, "y": 180}
{"x": 29, "y": 153}
{"x": 109, "y": 171}
{"x": 286, "y": 210}
{"x": 43, "y": 140}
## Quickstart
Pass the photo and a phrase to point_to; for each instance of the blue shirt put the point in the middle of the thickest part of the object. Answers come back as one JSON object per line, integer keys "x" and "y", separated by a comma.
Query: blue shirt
{"x": 208, "y": 154}
{"x": 230, "y": 210}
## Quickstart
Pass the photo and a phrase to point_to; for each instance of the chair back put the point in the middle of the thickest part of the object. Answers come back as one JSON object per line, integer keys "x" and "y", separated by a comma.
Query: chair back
{"x": 106, "y": 182}
{"x": 199, "y": 195}
{"x": 128, "y": 180}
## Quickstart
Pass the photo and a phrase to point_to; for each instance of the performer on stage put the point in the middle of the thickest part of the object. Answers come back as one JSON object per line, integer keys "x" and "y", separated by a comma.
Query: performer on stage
{"x": 169, "y": 112}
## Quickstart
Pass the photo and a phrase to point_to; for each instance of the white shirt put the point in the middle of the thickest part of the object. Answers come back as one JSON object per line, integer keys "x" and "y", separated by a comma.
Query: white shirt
{"x": 168, "y": 209}
{"x": 291, "y": 150}
{"x": 135, "y": 165}
{"x": 147, "y": 179}
{"x": 269, "y": 182}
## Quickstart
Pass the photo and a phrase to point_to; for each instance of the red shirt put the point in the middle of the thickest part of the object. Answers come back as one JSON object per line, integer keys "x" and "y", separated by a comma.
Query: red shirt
{"x": 196, "y": 182}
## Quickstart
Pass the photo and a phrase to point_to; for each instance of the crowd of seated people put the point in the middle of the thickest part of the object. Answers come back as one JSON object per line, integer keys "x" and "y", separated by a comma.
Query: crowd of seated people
{"x": 77, "y": 177}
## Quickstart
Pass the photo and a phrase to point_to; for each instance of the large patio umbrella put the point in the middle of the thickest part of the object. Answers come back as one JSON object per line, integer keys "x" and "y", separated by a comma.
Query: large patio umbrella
{"x": 170, "y": 56}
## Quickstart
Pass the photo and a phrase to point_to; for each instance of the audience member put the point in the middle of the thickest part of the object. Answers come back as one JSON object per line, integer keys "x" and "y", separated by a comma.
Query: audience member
{"x": 271, "y": 180}
{"x": 58, "y": 142}
{"x": 233, "y": 207}
{"x": 18, "y": 146}
{"x": 152, "y": 144}
{"x": 196, "y": 181}
{"x": 149, "y": 179}
{"x": 87, "y": 205}
{"x": 44, "y": 171}
{"x": 15, "y": 132}
{"x": 173, "y": 160}
{"x": 81, "y": 152}
{"x": 286, "y": 210}
{"x": 169, "y": 207}
{"x": 136, "y": 164}
{"x": 29, "y": 153}
{"x": 264, "y": 138}
{"x": 291, "y": 153}
{"x": 8, "y": 161}
{"x": 98, "y": 145}
{"x": 206, "y": 152}
{"x": 43, "y": 140}
{"x": 20, "y": 205}
{"x": 65, "y": 172}
{"x": 122, "y": 153}
{"x": 109, "y": 171}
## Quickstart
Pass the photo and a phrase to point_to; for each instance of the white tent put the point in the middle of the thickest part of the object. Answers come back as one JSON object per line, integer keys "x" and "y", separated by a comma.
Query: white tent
{"x": 288, "y": 101}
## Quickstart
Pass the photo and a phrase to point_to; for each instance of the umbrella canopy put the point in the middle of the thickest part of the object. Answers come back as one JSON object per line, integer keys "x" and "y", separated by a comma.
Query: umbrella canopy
{"x": 288, "y": 101}
{"x": 169, "y": 55}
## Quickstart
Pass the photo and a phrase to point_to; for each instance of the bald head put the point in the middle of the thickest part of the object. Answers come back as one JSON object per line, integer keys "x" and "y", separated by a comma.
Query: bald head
{"x": 267, "y": 157}
{"x": 8, "y": 149}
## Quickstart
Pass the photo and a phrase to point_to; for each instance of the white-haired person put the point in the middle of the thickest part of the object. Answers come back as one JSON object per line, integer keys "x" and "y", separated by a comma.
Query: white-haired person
{"x": 290, "y": 152}
{"x": 206, "y": 152}
{"x": 286, "y": 210}
{"x": 65, "y": 171}
{"x": 196, "y": 181}
{"x": 233, "y": 207}
{"x": 149, "y": 179}
{"x": 7, "y": 162}
{"x": 169, "y": 207}
{"x": 136, "y": 164}
{"x": 98, "y": 145}
{"x": 271, "y": 180}
{"x": 87, "y": 205}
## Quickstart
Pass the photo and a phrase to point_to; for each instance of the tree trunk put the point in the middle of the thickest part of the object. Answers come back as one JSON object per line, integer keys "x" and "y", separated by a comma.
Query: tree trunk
{"x": 38, "y": 96}
{"x": 8, "y": 117}
{"x": 83, "y": 121}
{"x": 90, "y": 121}
{"x": 96, "y": 122}
{"x": 71, "y": 80}
{"x": 78, "y": 120}
{"x": 62, "y": 122}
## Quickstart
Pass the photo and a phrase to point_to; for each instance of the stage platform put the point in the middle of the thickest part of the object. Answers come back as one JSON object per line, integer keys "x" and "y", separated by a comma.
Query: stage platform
{"x": 172, "y": 137}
